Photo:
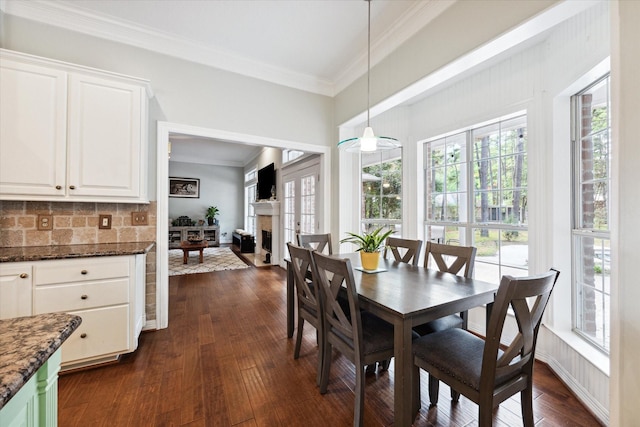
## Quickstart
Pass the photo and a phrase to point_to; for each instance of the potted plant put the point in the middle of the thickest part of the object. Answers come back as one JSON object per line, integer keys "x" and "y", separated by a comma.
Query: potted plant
{"x": 212, "y": 211}
{"x": 369, "y": 245}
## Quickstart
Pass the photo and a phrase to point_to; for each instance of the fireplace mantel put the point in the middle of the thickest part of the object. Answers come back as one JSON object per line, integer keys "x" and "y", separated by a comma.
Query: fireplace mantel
{"x": 268, "y": 208}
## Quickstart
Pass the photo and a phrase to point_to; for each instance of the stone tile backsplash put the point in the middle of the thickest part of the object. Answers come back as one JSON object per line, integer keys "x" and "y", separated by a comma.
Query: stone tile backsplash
{"x": 77, "y": 223}
{"x": 73, "y": 223}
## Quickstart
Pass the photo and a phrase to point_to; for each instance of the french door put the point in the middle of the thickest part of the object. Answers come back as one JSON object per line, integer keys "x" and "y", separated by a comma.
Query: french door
{"x": 301, "y": 195}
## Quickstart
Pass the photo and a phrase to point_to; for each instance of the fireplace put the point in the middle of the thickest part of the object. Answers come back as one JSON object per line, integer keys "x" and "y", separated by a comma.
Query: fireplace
{"x": 266, "y": 240}
{"x": 268, "y": 232}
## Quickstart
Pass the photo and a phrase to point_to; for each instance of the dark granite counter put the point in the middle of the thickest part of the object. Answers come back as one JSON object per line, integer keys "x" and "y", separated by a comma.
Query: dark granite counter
{"x": 26, "y": 343}
{"x": 37, "y": 253}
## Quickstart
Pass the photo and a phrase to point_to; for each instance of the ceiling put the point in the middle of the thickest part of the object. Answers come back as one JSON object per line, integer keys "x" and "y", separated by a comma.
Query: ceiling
{"x": 319, "y": 46}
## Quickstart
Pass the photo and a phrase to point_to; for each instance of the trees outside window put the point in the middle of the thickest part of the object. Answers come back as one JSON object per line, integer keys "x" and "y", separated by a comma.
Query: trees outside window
{"x": 591, "y": 136}
{"x": 381, "y": 181}
{"x": 476, "y": 194}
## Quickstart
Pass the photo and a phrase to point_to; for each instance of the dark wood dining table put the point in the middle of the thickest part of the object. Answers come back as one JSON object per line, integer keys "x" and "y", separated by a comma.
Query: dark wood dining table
{"x": 406, "y": 296}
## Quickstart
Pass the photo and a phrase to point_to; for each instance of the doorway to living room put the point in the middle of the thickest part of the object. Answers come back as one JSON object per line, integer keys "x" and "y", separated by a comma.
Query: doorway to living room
{"x": 164, "y": 129}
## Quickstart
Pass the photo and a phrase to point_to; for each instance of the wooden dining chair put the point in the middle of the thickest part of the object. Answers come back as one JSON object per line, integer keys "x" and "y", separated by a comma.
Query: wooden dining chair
{"x": 449, "y": 259}
{"x": 403, "y": 250}
{"x": 309, "y": 301}
{"x": 317, "y": 242}
{"x": 359, "y": 335}
{"x": 478, "y": 368}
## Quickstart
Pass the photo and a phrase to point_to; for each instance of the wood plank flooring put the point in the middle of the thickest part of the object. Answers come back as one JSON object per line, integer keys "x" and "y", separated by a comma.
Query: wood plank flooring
{"x": 225, "y": 360}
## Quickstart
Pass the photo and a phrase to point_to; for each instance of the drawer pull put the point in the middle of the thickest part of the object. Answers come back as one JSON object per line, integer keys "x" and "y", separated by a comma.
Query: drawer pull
{"x": 58, "y": 187}
{"x": 84, "y": 297}
{"x": 83, "y": 335}
{"x": 72, "y": 187}
{"x": 24, "y": 275}
{"x": 84, "y": 272}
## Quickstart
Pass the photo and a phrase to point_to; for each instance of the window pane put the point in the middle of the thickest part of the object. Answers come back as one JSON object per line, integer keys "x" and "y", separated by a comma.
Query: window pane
{"x": 591, "y": 248}
{"x": 593, "y": 280}
{"x": 497, "y": 170}
{"x": 382, "y": 185}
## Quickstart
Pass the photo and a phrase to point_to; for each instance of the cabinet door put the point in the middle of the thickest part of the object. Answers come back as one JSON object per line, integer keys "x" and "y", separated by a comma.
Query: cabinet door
{"x": 33, "y": 113}
{"x": 105, "y": 138}
{"x": 15, "y": 290}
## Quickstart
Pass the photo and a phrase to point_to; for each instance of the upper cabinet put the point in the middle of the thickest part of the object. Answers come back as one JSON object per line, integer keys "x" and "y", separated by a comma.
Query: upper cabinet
{"x": 71, "y": 133}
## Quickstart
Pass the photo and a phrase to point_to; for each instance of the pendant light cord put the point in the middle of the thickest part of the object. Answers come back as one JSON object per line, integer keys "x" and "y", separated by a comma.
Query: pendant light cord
{"x": 368, "y": 62}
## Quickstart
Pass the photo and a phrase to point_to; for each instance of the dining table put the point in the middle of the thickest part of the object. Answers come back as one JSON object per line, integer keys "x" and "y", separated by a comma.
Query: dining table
{"x": 405, "y": 296}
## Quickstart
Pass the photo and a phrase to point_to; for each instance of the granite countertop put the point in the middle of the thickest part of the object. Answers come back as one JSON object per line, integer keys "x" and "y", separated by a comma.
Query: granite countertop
{"x": 26, "y": 343}
{"x": 37, "y": 253}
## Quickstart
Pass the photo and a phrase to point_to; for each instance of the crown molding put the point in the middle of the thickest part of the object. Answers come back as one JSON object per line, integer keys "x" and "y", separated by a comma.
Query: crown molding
{"x": 60, "y": 15}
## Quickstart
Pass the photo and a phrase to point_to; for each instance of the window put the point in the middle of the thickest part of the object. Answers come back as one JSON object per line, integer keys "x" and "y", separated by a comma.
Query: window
{"x": 476, "y": 194}
{"x": 290, "y": 155}
{"x": 591, "y": 127}
{"x": 250, "y": 194}
{"x": 382, "y": 189}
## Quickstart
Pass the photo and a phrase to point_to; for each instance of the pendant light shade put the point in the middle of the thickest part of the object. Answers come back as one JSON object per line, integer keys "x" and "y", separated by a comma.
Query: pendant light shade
{"x": 368, "y": 142}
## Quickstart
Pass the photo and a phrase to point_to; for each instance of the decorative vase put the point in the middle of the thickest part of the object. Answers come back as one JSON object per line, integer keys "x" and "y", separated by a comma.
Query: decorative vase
{"x": 210, "y": 221}
{"x": 369, "y": 260}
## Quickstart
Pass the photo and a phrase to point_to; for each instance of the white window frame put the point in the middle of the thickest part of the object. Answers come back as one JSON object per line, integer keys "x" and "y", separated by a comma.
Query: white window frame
{"x": 436, "y": 229}
{"x": 367, "y": 224}
{"x": 580, "y": 233}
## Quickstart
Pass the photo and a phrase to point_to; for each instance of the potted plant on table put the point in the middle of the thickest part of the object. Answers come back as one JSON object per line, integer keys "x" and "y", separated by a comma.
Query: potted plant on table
{"x": 212, "y": 211}
{"x": 369, "y": 246}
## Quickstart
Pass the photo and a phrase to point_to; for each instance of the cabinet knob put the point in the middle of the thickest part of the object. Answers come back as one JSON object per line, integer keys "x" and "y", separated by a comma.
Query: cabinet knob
{"x": 58, "y": 187}
{"x": 84, "y": 297}
{"x": 84, "y": 272}
{"x": 72, "y": 187}
{"x": 24, "y": 275}
{"x": 83, "y": 335}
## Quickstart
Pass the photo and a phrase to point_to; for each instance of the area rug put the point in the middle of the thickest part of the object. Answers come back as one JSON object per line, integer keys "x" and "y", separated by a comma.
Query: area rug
{"x": 215, "y": 259}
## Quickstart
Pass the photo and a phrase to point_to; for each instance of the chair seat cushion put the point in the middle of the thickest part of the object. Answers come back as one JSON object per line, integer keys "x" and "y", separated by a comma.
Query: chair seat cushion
{"x": 456, "y": 352}
{"x": 377, "y": 334}
{"x": 441, "y": 324}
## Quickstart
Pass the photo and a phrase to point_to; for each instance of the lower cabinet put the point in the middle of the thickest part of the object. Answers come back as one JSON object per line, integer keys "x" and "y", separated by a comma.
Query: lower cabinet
{"x": 106, "y": 292}
{"x": 15, "y": 289}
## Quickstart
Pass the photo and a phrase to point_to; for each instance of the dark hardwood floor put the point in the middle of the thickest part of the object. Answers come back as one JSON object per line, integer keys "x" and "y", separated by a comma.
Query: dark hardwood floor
{"x": 225, "y": 361}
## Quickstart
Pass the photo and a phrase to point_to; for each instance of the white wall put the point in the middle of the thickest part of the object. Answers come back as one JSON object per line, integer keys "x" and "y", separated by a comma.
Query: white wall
{"x": 625, "y": 340}
{"x": 221, "y": 186}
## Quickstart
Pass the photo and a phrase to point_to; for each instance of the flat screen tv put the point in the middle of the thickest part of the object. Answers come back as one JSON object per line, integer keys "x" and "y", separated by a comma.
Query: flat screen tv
{"x": 266, "y": 180}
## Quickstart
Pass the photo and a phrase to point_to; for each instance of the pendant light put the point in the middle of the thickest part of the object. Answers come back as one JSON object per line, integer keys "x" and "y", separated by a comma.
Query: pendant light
{"x": 369, "y": 142}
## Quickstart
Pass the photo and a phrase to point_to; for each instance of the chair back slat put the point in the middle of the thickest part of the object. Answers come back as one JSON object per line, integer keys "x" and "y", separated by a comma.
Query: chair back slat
{"x": 403, "y": 250}
{"x": 301, "y": 265}
{"x": 463, "y": 257}
{"x": 317, "y": 242}
{"x": 513, "y": 292}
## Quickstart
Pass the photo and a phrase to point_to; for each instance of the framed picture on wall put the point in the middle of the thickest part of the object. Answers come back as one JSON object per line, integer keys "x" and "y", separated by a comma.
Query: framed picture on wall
{"x": 184, "y": 187}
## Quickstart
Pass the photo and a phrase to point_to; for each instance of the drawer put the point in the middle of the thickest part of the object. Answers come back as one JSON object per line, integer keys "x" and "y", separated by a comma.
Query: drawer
{"x": 102, "y": 331}
{"x": 81, "y": 296}
{"x": 80, "y": 269}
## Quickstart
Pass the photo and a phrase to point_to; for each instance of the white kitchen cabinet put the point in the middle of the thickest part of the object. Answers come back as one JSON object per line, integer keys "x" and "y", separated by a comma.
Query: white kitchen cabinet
{"x": 71, "y": 133}
{"x": 106, "y": 292}
{"x": 15, "y": 289}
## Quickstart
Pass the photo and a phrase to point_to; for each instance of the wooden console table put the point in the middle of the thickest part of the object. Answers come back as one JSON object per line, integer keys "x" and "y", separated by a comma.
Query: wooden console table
{"x": 209, "y": 233}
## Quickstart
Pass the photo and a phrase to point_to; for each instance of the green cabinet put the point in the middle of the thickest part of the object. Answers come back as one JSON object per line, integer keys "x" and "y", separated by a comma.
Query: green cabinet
{"x": 36, "y": 404}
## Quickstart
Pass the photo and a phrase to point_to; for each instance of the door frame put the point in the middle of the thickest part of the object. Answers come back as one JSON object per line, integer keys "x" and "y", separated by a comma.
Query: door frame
{"x": 296, "y": 170}
{"x": 162, "y": 192}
